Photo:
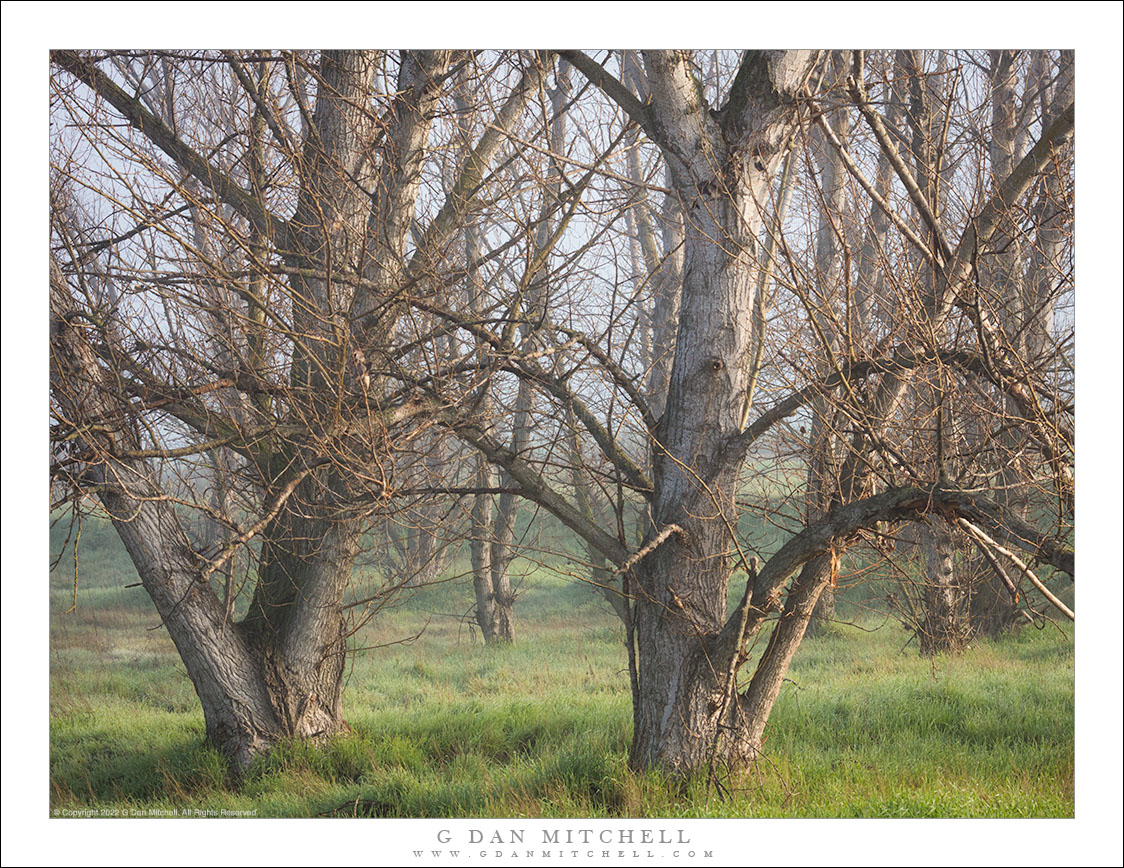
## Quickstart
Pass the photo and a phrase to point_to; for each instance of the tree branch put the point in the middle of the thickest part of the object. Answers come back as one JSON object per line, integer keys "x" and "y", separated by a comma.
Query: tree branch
{"x": 160, "y": 135}
{"x": 838, "y": 528}
{"x": 1017, "y": 561}
{"x": 533, "y": 486}
{"x": 616, "y": 91}
{"x": 653, "y": 544}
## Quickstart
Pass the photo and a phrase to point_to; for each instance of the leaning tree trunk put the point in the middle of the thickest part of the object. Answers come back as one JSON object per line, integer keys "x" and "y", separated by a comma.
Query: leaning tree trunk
{"x": 238, "y": 714}
{"x": 239, "y": 708}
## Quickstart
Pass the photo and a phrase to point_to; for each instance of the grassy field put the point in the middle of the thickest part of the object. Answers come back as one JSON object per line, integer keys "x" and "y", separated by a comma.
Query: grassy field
{"x": 445, "y": 727}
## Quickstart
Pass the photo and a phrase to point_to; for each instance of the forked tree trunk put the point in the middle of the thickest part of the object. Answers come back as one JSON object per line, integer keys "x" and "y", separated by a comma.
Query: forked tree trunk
{"x": 721, "y": 168}
{"x": 238, "y": 711}
{"x": 295, "y": 622}
{"x": 279, "y": 678}
{"x": 279, "y": 673}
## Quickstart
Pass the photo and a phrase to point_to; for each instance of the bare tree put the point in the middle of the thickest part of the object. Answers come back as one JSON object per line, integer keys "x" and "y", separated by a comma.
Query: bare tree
{"x": 309, "y": 173}
{"x": 722, "y": 161}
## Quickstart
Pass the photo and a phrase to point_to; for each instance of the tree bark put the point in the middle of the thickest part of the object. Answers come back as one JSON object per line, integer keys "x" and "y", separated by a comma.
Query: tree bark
{"x": 1025, "y": 281}
{"x": 239, "y": 716}
{"x": 942, "y": 630}
{"x": 530, "y": 307}
{"x": 721, "y": 165}
{"x": 823, "y": 478}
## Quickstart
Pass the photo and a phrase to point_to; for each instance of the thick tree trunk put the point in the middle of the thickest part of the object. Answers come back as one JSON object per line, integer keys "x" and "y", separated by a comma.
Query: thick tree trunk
{"x": 238, "y": 711}
{"x": 679, "y": 698}
{"x": 279, "y": 673}
{"x": 721, "y": 166}
{"x": 255, "y": 686}
{"x": 683, "y": 586}
{"x": 295, "y": 622}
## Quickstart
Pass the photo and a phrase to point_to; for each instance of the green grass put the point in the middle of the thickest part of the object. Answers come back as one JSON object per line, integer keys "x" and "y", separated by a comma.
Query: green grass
{"x": 445, "y": 727}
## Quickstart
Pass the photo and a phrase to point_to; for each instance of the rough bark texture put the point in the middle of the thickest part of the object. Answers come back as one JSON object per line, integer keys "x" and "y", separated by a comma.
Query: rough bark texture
{"x": 295, "y": 622}
{"x": 720, "y": 165}
{"x": 239, "y": 715}
{"x": 941, "y": 629}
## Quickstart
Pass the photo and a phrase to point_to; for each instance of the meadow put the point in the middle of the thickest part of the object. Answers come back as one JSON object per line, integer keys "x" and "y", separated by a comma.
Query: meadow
{"x": 445, "y": 727}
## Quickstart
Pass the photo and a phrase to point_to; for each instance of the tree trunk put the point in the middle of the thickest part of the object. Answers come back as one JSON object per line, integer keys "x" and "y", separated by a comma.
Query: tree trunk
{"x": 480, "y": 550}
{"x": 821, "y": 493}
{"x": 482, "y": 519}
{"x": 531, "y": 305}
{"x": 255, "y": 685}
{"x": 942, "y": 630}
{"x": 238, "y": 709}
{"x": 994, "y": 610}
{"x": 279, "y": 673}
{"x": 295, "y": 622}
{"x": 721, "y": 167}
{"x": 1028, "y": 281}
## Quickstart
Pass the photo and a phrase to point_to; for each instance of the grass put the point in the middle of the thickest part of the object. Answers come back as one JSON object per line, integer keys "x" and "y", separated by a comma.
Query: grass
{"x": 865, "y": 727}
